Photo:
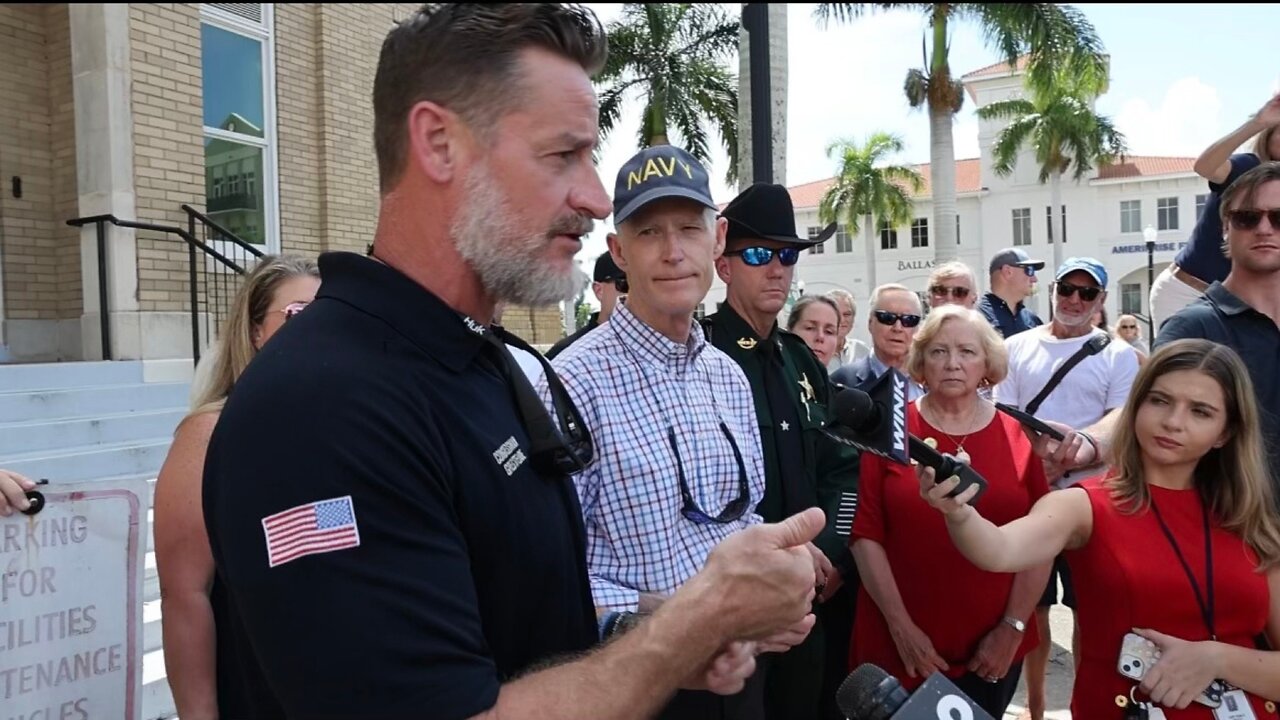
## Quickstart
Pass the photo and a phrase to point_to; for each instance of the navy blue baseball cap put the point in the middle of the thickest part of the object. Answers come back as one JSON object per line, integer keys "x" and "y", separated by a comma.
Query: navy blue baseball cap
{"x": 659, "y": 172}
{"x": 1087, "y": 264}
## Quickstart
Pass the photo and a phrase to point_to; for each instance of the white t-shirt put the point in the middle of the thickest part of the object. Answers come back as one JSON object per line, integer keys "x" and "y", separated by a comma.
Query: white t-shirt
{"x": 529, "y": 364}
{"x": 1097, "y": 384}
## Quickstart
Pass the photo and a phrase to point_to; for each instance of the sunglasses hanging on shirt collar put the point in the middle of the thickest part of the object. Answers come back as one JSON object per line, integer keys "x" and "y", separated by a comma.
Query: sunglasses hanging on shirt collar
{"x": 567, "y": 449}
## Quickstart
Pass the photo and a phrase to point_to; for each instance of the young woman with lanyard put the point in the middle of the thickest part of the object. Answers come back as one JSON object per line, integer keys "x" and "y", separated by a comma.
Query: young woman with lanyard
{"x": 1177, "y": 544}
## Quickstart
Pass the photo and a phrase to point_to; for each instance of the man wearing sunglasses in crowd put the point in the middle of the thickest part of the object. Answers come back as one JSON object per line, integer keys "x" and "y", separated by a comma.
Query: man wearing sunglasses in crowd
{"x": 1243, "y": 311}
{"x": 677, "y": 466}
{"x": 803, "y": 466}
{"x": 895, "y": 316}
{"x": 1084, "y": 397}
{"x": 952, "y": 283}
{"x": 610, "y": 285}
{"x": 1013, "y": 280}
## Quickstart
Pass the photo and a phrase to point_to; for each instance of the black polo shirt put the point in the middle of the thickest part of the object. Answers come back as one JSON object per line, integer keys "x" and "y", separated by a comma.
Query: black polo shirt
{"x": 1008, "y": 322}
{"x": 465, "y": 566}
{"x": 1224, "y": 318}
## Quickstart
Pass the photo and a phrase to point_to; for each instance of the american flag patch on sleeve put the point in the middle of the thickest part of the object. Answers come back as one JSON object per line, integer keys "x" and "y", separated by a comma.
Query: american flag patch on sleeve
{"x": 317, "y": 527}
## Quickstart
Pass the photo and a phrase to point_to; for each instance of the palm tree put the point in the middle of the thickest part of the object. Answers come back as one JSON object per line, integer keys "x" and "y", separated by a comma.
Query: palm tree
{"x": 1063, "y": 130}
{"x": 675, "y": 56}
{"x": 1050, "y": 34}
{"x": 868, "y": 188}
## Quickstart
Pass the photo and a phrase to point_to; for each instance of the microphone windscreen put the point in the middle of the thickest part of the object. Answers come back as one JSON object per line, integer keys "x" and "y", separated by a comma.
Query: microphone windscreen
{"x": 869, "y": 693}
{"x": 853, "y": 408}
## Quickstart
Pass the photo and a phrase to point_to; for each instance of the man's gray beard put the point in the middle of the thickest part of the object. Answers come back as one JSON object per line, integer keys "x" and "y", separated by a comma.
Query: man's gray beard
{"x": 511, "y": 270}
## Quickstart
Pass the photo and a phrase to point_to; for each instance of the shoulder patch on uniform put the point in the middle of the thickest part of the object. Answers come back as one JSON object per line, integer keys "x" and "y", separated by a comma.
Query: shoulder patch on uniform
{"x": 319, "y": 527}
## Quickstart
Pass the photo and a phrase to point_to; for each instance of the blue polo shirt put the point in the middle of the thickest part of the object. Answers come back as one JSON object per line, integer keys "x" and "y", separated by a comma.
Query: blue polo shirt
{"x": 384, "y": 547}
{"x": 1224, "y": 318}
{"x": 1006, "y": 321}
{"x": 1202, "y": 256}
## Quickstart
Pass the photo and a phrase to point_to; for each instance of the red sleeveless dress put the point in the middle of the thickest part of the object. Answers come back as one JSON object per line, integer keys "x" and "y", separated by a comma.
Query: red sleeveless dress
{"x": 1128, "y": 576}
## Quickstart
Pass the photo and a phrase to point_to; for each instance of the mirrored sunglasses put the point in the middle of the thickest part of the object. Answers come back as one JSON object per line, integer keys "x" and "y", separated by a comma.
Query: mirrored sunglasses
{"x": 759, "y": 256}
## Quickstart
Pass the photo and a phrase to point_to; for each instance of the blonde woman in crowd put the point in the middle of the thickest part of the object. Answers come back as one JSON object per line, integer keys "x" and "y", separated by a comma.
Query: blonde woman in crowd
{"x": 816, "y": 318}
{"x": 277, "y": 289}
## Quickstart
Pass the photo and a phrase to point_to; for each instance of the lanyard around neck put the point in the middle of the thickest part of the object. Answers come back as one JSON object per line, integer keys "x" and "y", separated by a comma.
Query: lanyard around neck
{"x": 1204, "y": 600}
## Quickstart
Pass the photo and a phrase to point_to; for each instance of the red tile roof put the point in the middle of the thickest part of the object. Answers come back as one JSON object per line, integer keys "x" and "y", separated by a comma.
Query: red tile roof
{"x": 1000, "y": 68}
{"x": 968, "y": 179}
{"x": 1146, "y": 166}
{"x": 969, "y": 176}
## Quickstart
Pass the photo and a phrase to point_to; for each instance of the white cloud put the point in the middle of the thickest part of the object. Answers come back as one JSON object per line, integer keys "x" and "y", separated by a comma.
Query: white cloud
{"x": 1184, "y": 122}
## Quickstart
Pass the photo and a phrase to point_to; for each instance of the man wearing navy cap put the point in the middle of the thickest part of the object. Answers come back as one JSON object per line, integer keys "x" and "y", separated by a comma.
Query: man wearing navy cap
{"x": 678, "y": 464}
{"x": 609, "y": 284}
{"x": 1013, "y": 280}
{"x": 803, "y": 466}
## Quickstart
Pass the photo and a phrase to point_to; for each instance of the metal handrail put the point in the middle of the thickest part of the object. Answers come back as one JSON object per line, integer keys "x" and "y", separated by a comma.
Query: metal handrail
{"x": 192, "y": 242}
{"x": 194, "y": 215}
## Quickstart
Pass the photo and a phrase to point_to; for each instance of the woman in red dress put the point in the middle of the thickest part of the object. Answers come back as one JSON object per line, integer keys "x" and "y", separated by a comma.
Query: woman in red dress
{"x": 1178, "y": 543}
{"x": 923, "y": 607}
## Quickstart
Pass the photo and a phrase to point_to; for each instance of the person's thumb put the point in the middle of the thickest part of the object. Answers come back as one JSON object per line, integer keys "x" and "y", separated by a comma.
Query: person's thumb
{"x": 797, "y": 529}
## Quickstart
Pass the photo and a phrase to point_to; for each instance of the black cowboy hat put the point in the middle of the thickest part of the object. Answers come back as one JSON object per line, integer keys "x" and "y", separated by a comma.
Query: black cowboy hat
{"x": 764, "y": 212}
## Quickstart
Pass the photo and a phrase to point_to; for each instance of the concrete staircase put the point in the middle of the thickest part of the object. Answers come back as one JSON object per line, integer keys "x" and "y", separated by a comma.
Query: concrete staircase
{"x": 92, "y": 421}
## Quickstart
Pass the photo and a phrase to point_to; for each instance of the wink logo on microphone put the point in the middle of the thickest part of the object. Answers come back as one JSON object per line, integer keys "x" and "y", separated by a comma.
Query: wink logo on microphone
{"x": 899, "y": 410}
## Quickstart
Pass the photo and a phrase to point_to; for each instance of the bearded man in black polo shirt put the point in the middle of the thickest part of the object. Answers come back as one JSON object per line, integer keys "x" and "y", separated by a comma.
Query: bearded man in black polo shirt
{"x": 411, "y": 545}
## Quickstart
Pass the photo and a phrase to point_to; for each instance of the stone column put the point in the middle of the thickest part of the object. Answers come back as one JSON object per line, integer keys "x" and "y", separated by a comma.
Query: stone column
{"x": 100, "y": 78}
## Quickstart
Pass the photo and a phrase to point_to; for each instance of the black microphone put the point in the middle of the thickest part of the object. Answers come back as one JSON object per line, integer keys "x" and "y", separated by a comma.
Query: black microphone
{"x": 876, "y": 422}
{"x": 870, "y": 693}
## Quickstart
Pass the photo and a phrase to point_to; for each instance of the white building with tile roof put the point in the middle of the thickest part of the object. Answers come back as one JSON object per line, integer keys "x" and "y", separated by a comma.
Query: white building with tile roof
{"x": 1106, "y": 213}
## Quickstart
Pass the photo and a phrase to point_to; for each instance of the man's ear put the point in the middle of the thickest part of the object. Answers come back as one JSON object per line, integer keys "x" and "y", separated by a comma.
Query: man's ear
{"x": 615, "y": 251}
{"x": 438, "y": 140}
{"x": 722, "y": 230}
{"x": 723, "y": 269}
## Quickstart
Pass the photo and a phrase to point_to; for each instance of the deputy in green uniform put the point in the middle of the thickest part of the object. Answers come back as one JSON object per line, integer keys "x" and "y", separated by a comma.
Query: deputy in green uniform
{"x": 803, "y": 467}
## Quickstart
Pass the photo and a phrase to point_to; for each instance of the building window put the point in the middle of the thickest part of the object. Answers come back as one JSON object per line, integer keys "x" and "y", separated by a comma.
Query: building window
{"x": 1201, "y": 201}
{"x": 1048, "y": 220}
{"x": 1167, "y": 213}
{"x": 920, "y": 233}
{"x": 1130, "y": 216}
{"x": 844, "y": 243}
{"x": 957, "y": 235}
{"x": 820, "y": 247}
{"x": 888, "y": 237}
{"x": 1021, "y": 226}
{"x": 238, "y": 96}
{"x": 1131, "y": 298}
{"x": 816, "y": 249}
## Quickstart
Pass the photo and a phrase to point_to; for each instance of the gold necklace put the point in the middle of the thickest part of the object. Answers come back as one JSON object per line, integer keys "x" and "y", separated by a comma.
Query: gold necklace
{"x": 959, "y": 443}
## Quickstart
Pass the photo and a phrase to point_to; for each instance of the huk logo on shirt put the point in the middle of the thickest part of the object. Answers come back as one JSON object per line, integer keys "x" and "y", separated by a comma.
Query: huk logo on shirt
{"x": 659, "y": 168}
{"x": 473, "y": 326}
{"x": 509, "y": 456}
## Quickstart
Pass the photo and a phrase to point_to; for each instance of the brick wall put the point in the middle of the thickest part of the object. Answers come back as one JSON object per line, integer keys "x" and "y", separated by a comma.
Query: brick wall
{"x": 536, "y": 326}
{"x": 297, "y": 120}
{"x": 28, "y": 225}
{"x": 168, "y": 156}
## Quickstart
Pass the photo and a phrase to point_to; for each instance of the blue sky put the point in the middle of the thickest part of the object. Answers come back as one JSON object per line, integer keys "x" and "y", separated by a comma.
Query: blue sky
{"x": 1182, "y": 76}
